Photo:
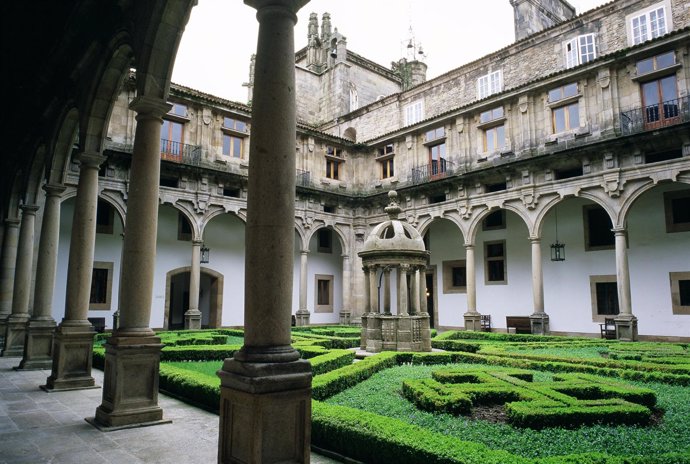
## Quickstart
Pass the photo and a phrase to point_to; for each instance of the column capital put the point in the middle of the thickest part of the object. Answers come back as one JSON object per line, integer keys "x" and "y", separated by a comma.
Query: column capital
{"x": 29, "y": 209}
{"x": 618, "y": 230}
{"x": 469, "y": 246}
{"x": 150, "y": 106}
{"x": 535, "y": 238}
{"x": 345, "y": 256}
{"x": 53, "y": 190}
{"x": 197, "y": 243}
{"x": 291, "y": 6}
{"x": 304, "y": 252}
{"x": 90, "y": 159}
{"x": 12, "y": 222}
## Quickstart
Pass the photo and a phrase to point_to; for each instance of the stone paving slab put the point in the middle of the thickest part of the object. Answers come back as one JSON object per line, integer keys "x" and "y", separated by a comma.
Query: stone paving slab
{"x": 38, "y": 427}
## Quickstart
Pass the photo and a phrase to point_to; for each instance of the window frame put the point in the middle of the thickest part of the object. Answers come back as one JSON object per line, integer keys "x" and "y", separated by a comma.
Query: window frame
{"x": 322, "y": 247}
{"x": 585, "y": 223}
{"x": 575, "y": 56}
{"x": 414, "y": 112}
{"x": 489, "y": 84}
{"x": 669, "y": 197}
{"x": 593, "y": 281}
{"x": 487, "y": 259}
{"x": 183, "y": 235}
{"x": 448, "y": 267}
{"x": 108, "y": 267}
{"x": 234, "y": 140}
{"x": 564, "y": 102}
{"x": 674, "y": 280}
{"x": 323, "y": 308}
{"x": 109, "y": 226}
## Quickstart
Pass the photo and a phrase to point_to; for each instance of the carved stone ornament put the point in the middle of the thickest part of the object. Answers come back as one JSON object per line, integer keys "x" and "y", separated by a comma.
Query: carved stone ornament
{"x": 308, "y": 221}
{"x": 206, "y": 116}
{"x": 613, "y": 185}
{"x": 201, "y": 202}
{"x": 530, "y": 198}
{"x": 523, "y": 104}
{"x": 459, "y": 125}
{"x": 465, "y": 209}
{"x": 412, "y": 218}
{"x": 310, "y": 144}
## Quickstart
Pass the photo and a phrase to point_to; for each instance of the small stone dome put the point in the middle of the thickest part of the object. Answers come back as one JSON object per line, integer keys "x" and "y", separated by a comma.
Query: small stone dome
{"x": 393, "y": 235}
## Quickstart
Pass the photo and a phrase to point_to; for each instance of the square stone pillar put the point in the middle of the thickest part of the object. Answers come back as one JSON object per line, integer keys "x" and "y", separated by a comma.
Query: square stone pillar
{"x": 15, "y": 333}
{"x": 364, "y": 332}
{"x": 259, "y": 404}
{"x": 38, "y": 346}
{"x": 626, "y": 327}
{"x": 130, "y": 384}
{"x": 345, "y": 317}
{"x": 72, "y": 359}
{"x": 539, "y": 323}
{"x": 473, "y": 321}
{"x": 404, "y": 333}
{"x": 374, "y": 341}
{"x": 302, "y": 318}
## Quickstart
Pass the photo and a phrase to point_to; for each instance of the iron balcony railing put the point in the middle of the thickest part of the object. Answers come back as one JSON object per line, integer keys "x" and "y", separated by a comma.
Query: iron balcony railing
{"x": 180, "y": 152}
{"x": 668, "y": 113}
{"x": 303, "y": 178}
{"x": 437, "y": 169}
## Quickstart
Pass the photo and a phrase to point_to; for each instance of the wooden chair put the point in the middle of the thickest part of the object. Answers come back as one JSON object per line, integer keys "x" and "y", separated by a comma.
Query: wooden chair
{"x": 608, "y": 329}
{"x": 485, "y": 322}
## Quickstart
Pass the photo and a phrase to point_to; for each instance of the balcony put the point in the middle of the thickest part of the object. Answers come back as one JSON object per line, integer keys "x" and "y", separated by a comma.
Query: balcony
{"x": 303, "y": 178}
{"x": 180, "y": 152}
{"x": 437, "y": 169}
{"x": 668, "y": 113}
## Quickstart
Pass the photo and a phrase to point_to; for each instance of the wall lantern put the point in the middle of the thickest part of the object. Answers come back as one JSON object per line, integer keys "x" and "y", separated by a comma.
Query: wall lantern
{"x": 558, "y": 248}
{"x": 205, "y": 254}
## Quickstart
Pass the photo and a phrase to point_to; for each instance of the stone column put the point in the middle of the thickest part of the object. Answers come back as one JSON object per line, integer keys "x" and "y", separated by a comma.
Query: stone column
{"x": 192, "y": 317}
{"x": 38, "y": 345}
{"x": 345, "y": 312}
{"x": 423, "y": 309}
{"x": 626, "y": 322}
{"x": 402, "y": 290}
{"x": 373, "y": 291}
{"x": 302, "y": 315}
{"x": 7, "y": 268}
{"x": 387, "y": 290}
{"x": 539, "y": 320}
{"x": 472, "y": 316}
{"x": 367, "y": 309}
{"x": 265, "y": 404}
{"x": 16, "y": 322}
{"x": 404, "y": 324}
{"x": 132, "y": 353}
{"x": 73, "y": 340}
{"x": 414, "y": 299}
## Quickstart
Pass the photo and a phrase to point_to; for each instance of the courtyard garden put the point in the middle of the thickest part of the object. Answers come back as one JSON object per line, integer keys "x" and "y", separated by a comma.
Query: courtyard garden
{"x": 486, "y": 398}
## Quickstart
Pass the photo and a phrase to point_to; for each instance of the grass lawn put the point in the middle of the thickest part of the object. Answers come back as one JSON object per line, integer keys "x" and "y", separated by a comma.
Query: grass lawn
{"x": 381, "y": 395}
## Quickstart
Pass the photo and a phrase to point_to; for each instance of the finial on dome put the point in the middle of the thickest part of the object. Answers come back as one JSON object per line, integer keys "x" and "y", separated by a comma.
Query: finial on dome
{"x": 393, "y": 209}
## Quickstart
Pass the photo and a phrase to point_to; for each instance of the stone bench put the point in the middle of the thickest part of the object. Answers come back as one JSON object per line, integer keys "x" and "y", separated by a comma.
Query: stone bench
{"x": 521, "y": 324}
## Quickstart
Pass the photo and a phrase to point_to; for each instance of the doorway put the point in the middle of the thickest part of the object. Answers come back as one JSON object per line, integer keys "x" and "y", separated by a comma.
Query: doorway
{"x": 430, "y": 302}
{"x": 210, "y": 298}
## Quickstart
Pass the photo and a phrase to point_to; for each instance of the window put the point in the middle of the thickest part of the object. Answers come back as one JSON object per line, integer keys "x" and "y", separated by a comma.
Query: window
{"x": 495, "y": 220}
{"x": 680, "y": 292}
{"x": 677, "y": 211}
{"x": 172, "y": 139}
{"x": 184, "y": 228}
{"x": 648, "y": 25}
{"x": 490, "y": 84}
{"x": 178, "y": 109}
{"x": 598, "y": 225}
{"x": 232, "y": 146}
{"x": 495, "y": 262}
{"x": 491, "y": 115}
{"x": 387, "y": 168}
{"x": 604, "y": 293}
{"x": 656, "y": 63}
{"x": 660, "y": 102}
{"x": 438, "y": 198}
{"x": 494, "y": 138}
{"x": 334, "y": 151}
{"x": 435, "y": 134}
{"x": 454, "y": 276}
{"x": 105, "y": 217}
{"x": 333, "y": 159}
{"x": 414, "y": 113}
{"x": 324, "y": 293}
{"x": 234, "y": 124}
{"x": 101, "y": 286}
{"x": 565, "y": 110}
{"x": 580, "y": 50}
{"x": 325, "y": 241}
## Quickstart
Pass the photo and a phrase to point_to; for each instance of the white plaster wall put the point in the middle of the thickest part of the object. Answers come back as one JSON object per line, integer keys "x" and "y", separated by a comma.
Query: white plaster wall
{"x": 446, "y": 244}
{"x": 108, "y": 249}
{"x": 327, "y": 264}
{"x": 225, "y": 235}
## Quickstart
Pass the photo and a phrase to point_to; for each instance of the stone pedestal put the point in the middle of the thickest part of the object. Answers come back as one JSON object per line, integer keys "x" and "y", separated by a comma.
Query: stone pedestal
{"x": 259, "y": 404}
{"x": 374, "y": 341}
{"x": 15, "y": 333}
{"x": 302, "y": 317}
{"x": 130, "y": 384}
{"x": 539, "y": 323}
{"x": 72, "y": 358}
{"x": 345, "y": 317}
{"x": 192, "y": 319}
{"x": 38, "y": 345}
{"x": 626, "y": 327}
{"x": 363, "y": 332}
{"x": 404, "y": 334}
{"x": 425, "y": 322}
{"x": 473, "y": 321}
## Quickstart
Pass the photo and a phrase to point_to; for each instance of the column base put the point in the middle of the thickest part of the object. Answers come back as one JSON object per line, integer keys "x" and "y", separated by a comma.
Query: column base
{"x": 345, "y": 317}
{"x": 302, "y": 317}
{"x": 130, "y": 383}
{"x": 3, "y": 329}
{"x": 15, "y": 335}
{"x": 265, "y": 412}
{"x": 626, "y": 327}
{"x": 72, "y": 357}
{"x": 539, "y": 323}
{"x": 38, "y": 345}
{"x": 473, "y": 321}
{"x": 192, "y": 319}
{"x": 363, "y": 332}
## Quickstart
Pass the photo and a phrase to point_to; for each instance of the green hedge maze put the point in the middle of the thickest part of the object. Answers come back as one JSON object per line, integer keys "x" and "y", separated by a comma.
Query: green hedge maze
{"x": 570, "y": 400}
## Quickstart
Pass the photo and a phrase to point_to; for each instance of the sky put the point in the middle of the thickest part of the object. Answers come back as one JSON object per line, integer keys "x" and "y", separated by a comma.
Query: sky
{"x": 221, "y": 35}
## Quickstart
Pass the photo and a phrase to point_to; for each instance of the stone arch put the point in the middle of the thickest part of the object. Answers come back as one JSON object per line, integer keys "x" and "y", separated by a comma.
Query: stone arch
{"x": 216, "y": 309}
{"x": 64, "y": 139}
{"x": 630, "y": 200}
{"x": 543, "y": 212}
{"x": 610, "y": 210}
{"x": 344, "y": 244}
{"x": 34, "y": 178}
{"x": 479, "y": 217}
{"x": 115, "y": 200}
{"x": 190, "y": 215}
{"x": 423, "y": 227}
{"x": 351, "y": 134}
{"x": 211, "y": 214}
